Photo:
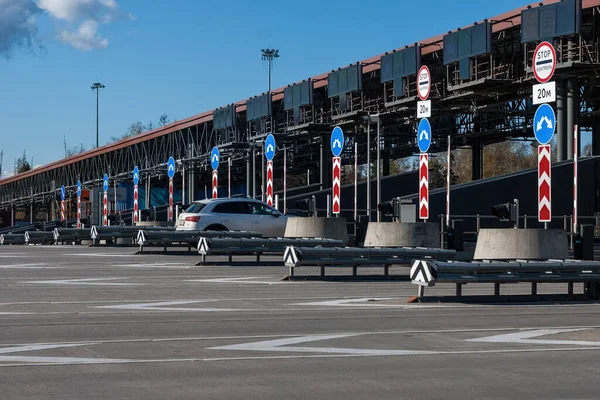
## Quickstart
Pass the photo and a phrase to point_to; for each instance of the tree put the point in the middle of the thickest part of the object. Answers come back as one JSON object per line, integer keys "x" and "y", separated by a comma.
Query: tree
{"x": 163, "y": 120}
{"x": 587, "y": 150}
{"x": 149, "y": 126}
{"x": 21, "y": 164}
{"x": 134, "y": 129}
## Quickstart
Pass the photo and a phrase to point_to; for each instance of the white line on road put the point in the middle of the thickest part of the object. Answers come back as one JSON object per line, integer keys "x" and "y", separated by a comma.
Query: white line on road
{"x": 163, "y": 306}
{"x": 244, "y": 280}
{"x": 87, "y": 281}
{"x": 527, "y": 337}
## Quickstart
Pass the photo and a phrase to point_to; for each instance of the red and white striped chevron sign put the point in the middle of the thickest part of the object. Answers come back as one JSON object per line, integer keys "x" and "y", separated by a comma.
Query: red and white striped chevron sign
{"x": 215, "y": 192}
{"x": 135, "y": 203}
{"x": 170, "y": 199}
{"x": 270, "y": 183}
{"x": 423, "y": 186}
{"x": 544, "y": 184}
{"x": 337, "y": 173}
{"x": 78, "y": 212}
{"x": 105, "y": 209}
{"x": 62, "y": 210}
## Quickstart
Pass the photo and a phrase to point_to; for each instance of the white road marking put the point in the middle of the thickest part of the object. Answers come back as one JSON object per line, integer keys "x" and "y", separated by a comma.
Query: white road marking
{"x": 163, "y": 306}
{"x": 96, "y": 255}
{"x": 351, "y": 302}
{"x": 26, "y": 266}
{"x": 244, "y": 280}
{"x": 526, "y": 337}
{"x": 87, "y": 281}
{"x": 52, "y": 360}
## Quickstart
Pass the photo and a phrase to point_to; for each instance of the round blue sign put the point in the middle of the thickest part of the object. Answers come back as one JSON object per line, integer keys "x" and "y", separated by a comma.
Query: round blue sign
{"x": 78, "y": 188}
{"x": 544, "y": 124}
{"x": 337, "y": 141}
{"x": 424, "y": 135}
{"x": 136, "y": 175}
{"x": 105, "y": 183}
{"x": 62, "y": 192}
{"x": 270, "y": 147}
{"x": 171, "y": 167}
{"x": 214, "y": 158}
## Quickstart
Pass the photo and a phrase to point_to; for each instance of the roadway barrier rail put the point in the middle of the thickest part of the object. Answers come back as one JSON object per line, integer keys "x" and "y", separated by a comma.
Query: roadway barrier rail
{"x": 12, "y": 238}
{"x": 72, "y": 235}
{"x": 427, "y": 273}
{"x": 39, "y": 237}
{"x": 257, "y": 246}
{"x": 189, "y": 238}
{"x": 296, "y": 256}
{"x": 112, "y": 233}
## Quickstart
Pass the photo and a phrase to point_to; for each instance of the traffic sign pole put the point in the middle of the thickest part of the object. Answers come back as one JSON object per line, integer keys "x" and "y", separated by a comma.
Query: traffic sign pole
{"x": 575, "y": 154}
{"x": 78, "y": 204}
{"x": 136, "y": 180}
{"x": 424, "y": 186}
{"x": 171, "y": 199}
{"x": 105, "y": 201}
{"x": 269, "y": 152}
{"x": 62, "y": 211}
{"x": 544, "y": 126}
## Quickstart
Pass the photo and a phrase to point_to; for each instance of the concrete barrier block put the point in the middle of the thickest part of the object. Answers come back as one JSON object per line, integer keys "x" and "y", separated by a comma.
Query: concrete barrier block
{"x": 325, "y": 228}
{"x": 524, "y": 244}
{"x": 410, "y": 234}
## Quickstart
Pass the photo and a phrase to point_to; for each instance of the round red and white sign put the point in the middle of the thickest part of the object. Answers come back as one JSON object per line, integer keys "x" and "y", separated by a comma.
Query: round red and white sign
{"x": 424, "y": 82}
{"x": 544, "y": 62}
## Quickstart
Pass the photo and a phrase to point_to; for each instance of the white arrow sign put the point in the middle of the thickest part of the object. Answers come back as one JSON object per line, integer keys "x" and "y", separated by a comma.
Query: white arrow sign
{"x": 270, "y": 148}
{"x": 423, "y": 135}
{"x": 337, "y": 144}
{"x": 215, "y": 158}
{"x": 540, "y": 124}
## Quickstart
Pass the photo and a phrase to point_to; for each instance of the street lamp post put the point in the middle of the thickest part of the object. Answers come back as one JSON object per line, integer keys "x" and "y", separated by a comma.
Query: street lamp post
{"x": 268, "y": 55}
{"x": 97, "y": 86}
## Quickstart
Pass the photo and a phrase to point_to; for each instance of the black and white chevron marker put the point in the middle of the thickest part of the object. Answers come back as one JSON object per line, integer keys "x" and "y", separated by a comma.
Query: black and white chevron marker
{"x": 27, "y": 236}
{"x": 94, "y": 232}
{"x": 291, "y": 256}
{"x": 141, "y": 238}
{"x": 56, "y": 233}
{"x": 203, "y": 246}
{"x": 1, "y": 239}
{"x": 423, "y": 273}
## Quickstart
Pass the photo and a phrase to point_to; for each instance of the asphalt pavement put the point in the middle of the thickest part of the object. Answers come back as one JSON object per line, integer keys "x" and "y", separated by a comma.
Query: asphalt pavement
{"x": 106, "y": 323}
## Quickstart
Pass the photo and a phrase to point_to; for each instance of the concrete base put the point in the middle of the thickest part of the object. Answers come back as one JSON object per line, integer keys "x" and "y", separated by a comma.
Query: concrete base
{"x": 324, "y": 228}
{"x": 153, "y": 223}
{"x": 410, "y": 234}
{"x": 523, "y": 244}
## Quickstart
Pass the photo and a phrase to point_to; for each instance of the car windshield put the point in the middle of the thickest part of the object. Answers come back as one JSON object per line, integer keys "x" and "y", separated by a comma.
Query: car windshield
{"x": 195, "y": 208}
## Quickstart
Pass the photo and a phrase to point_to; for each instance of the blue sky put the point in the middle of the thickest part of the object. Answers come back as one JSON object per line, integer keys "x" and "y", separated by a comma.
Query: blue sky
{"x": 183, "y": 57}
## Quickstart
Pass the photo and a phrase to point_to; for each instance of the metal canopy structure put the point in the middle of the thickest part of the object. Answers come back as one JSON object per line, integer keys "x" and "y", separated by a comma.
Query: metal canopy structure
{"x": 481, "y": 92}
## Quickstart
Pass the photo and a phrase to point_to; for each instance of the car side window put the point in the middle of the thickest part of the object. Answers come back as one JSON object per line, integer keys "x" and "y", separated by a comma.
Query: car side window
{"x": 260, "y": 209}
{"x": 234, "y": 207}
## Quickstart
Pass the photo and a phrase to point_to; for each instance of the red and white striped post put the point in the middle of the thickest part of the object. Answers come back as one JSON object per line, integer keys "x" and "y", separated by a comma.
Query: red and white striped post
{"x": 575, "y": 153}
{"x": 78, "y": 212}
{"x": 285, "y": 180}
{"x": 105, "y": 209}
{"x": 544, "y": 184}
{"x": 170, "y": 199}
{"x": 135, "y": 203}
{"x": 424, "y": 186}
{"x": 270, "y": 183}
{"x": 215, "y": 176}
{"x": 62, "y": 211}
{"x": 448, "y": 184}
{"x": 337, "y": 172}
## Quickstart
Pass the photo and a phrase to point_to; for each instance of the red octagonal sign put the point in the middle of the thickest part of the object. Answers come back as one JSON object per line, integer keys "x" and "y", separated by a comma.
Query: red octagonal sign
{"x": 544, "y": 62}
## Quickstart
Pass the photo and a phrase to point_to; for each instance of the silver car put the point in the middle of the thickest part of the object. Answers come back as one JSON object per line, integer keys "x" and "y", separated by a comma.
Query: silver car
{"x": 236, "y": 214}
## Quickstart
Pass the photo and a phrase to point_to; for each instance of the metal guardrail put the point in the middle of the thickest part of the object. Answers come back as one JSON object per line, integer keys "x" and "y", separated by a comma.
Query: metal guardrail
{"x": 189, "y": 238}
{"x": 39, "y": 237}
{"x": 257, "y": 246}
{"x": 12, "y": 238}
{"x": 73, "y": 235}
{"x": 295, "y": 256}
{"x": 427, "y": 273}
{"x": 112, "y": 233}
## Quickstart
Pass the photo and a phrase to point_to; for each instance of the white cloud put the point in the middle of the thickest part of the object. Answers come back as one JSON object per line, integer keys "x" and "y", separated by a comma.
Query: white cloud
{"x": 85, "y": 38}
{"x": 77, "y": 22}
{"x": 18, "y": 27}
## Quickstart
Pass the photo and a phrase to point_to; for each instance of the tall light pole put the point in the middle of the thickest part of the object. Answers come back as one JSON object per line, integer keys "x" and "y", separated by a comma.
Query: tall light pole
{"x": 268, "y": 55}
{"x": 97, "y": 86}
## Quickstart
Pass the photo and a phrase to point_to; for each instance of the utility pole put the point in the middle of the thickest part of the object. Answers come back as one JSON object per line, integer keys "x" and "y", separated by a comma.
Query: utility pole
{"x": 269, "y": 55}
{"x": 97, "y": 86}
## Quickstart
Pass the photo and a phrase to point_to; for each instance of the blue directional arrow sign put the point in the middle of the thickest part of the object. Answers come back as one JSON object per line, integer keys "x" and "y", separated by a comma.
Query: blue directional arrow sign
{"x": 105, "y": 183}
{"x": 78, "y": 188}
{"x": 214, "y": 158}
{"x": 544, "y": 124}
{"x": 424, "y": 135}
{"x": 171, "y": 168}
{"x": 136, "y": 175}
{"x": 270, "y": 147}
{"x": 337, "y": 141}
{"x": 62, "y": 192}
